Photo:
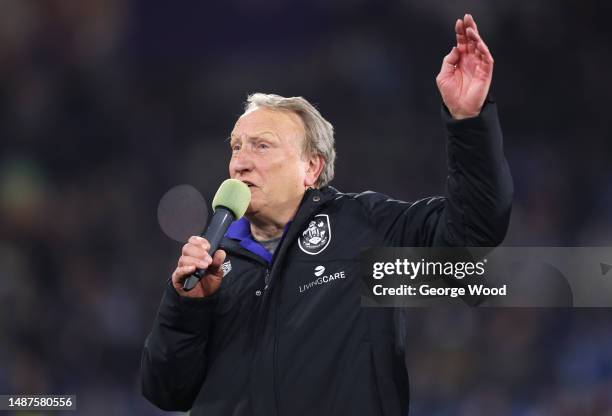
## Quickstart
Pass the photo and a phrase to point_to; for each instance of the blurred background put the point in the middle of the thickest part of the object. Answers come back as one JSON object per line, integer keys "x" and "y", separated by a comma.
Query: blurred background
{"x": 107, "y": 104}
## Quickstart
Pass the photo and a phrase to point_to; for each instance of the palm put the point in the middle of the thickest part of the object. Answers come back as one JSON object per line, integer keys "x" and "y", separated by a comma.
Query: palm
{"x": 466, "y": 73}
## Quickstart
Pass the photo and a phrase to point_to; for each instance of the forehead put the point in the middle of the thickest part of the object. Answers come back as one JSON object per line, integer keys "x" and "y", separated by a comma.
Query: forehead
{"x": 284, "y": 124}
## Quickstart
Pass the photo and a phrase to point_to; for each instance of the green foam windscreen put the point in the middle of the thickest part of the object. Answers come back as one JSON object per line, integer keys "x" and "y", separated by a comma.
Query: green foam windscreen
{"x": 233, "y": 195}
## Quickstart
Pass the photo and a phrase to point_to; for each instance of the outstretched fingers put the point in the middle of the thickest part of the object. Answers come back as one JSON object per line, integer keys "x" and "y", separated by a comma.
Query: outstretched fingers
{"x": 480, "y": 49}
{"x": 468, "y": 21}
{"x": 461, "y": 36}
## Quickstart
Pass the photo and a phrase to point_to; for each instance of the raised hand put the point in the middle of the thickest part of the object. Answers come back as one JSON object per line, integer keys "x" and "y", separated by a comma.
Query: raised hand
{"x": 466, "y": 73}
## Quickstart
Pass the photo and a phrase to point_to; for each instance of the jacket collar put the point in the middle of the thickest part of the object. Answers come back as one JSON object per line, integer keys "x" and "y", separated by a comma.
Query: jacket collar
{"x": 240, "y": 230}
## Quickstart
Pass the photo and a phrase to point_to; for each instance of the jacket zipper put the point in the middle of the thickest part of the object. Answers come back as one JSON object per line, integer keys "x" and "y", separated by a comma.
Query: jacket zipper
{"x": 275, "y": 333}
{"x": 267, "y": 279}
{"x": 275, "y": 356}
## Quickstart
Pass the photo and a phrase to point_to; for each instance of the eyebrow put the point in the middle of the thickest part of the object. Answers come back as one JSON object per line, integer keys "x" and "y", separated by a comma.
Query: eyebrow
{"x": 254, "y": 136}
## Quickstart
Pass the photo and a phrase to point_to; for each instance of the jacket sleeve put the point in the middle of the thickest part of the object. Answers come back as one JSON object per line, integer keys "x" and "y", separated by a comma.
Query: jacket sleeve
{"x": 475, "y": 210}
{"x": 173, "y": 364}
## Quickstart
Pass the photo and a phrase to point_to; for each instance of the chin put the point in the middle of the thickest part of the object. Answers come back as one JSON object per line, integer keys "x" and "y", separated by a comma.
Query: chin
{"x": 251, "y": 210}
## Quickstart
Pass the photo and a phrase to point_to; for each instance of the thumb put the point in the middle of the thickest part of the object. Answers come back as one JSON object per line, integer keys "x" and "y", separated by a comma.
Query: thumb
{"x": 449, "y": 63}
{"x": 215, "y": 266}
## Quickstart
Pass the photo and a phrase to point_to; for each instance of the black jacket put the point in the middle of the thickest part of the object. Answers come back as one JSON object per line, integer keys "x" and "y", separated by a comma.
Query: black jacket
{"x": 298, "y": 347}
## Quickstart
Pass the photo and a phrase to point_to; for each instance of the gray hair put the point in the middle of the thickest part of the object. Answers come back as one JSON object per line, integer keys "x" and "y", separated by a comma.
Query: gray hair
{"x": 319, "y": 137}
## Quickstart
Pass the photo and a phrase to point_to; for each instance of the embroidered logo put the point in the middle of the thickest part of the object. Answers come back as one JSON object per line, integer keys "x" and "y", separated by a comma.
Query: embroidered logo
{"x": 316, "y": 237}
{"x": 226, "y": 267}
{"x": 319, "y": 270}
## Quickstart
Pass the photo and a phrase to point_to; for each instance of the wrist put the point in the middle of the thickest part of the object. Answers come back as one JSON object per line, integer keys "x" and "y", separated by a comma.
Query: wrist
{"x": 458, "y": 115}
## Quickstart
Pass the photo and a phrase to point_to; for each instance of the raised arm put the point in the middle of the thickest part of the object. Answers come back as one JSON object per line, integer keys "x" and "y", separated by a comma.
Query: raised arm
{"x": 475, "y": 209}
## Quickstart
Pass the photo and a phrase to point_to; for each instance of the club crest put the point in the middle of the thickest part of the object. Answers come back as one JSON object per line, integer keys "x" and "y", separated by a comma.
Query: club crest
{"x": 317, "y": 235}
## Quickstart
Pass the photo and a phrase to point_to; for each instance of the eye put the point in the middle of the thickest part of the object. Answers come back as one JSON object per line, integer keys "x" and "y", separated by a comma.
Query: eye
{"x": 235, "y": 147}
{"x": 262, "y": 145}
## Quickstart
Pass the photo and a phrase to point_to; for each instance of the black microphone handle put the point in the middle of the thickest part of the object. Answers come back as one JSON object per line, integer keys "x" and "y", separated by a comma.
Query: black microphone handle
{"x": 220, "y": 222}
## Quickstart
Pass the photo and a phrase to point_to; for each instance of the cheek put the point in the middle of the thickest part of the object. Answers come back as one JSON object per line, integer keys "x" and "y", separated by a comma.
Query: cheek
{"x": 285, "y": 172}
{"x": 231, "y": 166}
{"x": 292, "y": 178}
{"x": 286, "y": 168}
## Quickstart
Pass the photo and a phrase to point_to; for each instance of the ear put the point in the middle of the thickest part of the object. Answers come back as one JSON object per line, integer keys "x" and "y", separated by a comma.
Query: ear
{"x": 314, "y": 166}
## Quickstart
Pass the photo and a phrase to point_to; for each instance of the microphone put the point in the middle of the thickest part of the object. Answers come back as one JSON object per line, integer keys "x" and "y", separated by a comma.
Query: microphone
{"x": 229, "y": 204}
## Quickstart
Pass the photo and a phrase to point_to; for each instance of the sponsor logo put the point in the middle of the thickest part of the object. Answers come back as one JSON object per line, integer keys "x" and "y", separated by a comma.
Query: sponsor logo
{"x": 226, "y": 267}
{"x": 317, "y": 235}
{"x": 321, "y": 280}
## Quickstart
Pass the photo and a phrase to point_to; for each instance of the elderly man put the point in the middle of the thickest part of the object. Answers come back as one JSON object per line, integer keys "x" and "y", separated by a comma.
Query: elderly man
{"x": 260, "y": 334}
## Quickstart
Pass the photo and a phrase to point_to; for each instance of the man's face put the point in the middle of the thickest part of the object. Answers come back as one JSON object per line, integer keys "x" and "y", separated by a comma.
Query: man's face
{"x": 267, "y": 155}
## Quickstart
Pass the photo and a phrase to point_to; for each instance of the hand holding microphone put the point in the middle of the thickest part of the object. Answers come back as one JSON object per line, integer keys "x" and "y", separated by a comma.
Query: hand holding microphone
{"x": 198, "y": 274}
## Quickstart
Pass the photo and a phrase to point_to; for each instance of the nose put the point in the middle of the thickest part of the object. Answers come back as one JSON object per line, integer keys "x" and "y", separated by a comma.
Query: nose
{"x": 240, "y": 164}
